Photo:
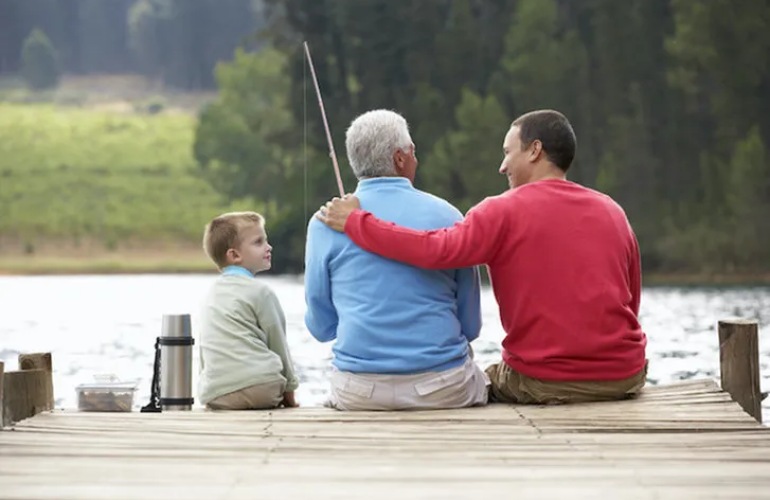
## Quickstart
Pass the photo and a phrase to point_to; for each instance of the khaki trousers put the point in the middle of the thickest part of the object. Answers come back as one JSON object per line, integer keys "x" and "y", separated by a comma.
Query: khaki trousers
{"x": 254, "y": 397}
{"x": 509, "y": 386}
{"x": 459, "y": 387}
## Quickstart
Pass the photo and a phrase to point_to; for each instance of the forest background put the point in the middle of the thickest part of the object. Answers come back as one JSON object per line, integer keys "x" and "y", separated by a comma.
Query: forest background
{"x": 125, "y": 125}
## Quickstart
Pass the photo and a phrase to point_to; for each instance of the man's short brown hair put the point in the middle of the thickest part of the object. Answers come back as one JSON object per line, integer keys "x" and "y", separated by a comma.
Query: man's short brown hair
{"x": 553, "y": 130}
{"x": 223, "y": 233}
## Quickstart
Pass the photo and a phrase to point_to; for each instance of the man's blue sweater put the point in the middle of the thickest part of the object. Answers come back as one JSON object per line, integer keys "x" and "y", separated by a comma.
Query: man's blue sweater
{"x": 389, "y": 317}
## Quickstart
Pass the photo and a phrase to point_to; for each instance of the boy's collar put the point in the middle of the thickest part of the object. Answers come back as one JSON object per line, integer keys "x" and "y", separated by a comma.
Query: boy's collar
{"x": 237, "y": 271}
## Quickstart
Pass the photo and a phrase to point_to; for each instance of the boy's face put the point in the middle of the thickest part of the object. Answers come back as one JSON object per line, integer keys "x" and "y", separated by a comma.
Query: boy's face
{"x": 253, "y": 252}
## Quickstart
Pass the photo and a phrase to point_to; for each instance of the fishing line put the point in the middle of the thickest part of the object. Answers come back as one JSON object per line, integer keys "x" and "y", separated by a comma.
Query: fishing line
{"x": 304, "y": 142}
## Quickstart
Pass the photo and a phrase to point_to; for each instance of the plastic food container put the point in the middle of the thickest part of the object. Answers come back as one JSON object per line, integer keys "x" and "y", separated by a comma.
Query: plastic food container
{"x": 106, "y": 395}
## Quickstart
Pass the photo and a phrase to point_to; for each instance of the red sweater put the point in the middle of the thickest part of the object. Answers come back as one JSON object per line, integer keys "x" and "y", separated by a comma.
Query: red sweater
{"x": 565, "y": 270}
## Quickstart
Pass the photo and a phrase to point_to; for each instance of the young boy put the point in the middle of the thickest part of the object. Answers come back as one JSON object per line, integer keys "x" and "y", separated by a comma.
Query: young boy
{"x": 244, "y": 356}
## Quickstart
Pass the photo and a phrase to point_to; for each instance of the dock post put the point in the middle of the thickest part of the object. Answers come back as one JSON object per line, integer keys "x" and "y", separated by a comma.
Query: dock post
{"x": 2, "y": 403}
{"x": 739, "y": 364}
{"x": 28, "y": 391}
{"x": 40, "y": 361}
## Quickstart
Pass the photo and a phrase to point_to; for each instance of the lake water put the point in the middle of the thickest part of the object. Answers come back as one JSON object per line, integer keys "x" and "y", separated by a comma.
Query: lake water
{"x": 97, "y": 325}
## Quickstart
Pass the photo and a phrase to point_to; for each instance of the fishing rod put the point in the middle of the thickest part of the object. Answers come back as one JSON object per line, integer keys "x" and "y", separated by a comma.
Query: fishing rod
{"x": 332, "y": 154}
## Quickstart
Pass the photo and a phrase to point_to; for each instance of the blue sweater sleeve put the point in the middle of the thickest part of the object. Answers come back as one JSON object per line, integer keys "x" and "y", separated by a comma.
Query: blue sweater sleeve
{"x": 469, "y": 302}
{"x": 321, "y": 316}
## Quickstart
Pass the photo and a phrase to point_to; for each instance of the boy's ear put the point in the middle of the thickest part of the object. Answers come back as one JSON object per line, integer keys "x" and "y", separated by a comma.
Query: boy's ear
{"x": 233, "y": 255}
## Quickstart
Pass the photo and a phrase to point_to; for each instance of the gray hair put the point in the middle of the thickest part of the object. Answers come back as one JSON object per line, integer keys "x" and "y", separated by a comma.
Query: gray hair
{"x": 372, "y": 139}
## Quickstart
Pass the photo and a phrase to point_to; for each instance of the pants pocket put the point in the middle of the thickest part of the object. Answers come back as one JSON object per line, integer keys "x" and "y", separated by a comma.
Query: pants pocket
{"x": 440, "y": 381}
{"x": 346, "y": 383}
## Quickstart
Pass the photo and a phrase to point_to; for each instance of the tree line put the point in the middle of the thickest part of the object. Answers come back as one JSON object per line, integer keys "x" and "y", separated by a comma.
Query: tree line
{"x": 670, "y": 99}
{"x": 176, "y": 42}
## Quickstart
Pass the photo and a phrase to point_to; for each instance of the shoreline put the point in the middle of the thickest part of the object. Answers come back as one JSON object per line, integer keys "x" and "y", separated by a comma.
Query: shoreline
{"x": 706, "y": 280}
{"x": 185, "y": 263}
{"x": 105, "y": 264}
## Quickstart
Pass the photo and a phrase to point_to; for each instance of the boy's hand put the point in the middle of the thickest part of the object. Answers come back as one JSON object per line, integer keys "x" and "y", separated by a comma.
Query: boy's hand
{"x": 288, "y": 400}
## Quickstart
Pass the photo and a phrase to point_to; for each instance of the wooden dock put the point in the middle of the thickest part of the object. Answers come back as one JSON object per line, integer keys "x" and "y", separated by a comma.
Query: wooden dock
{"x": 688, "y": 440}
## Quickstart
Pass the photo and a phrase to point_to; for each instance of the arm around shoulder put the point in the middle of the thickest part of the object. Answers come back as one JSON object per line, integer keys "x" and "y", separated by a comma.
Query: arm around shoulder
{"x": 470, "y": 242}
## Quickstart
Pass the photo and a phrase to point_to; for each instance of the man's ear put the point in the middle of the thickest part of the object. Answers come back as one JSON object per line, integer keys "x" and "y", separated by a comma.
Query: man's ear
{"x": 398, "y": 161}
{"x": 536, "y": 150}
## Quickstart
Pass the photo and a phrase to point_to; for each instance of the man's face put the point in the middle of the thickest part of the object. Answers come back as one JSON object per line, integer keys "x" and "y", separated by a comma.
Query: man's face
{"x": 516, "y": 165}
{"x": 253, "y": 252}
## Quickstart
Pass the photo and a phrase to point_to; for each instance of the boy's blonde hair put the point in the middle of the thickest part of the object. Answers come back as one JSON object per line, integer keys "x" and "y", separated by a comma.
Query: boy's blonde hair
{"x": 224, "y": 233}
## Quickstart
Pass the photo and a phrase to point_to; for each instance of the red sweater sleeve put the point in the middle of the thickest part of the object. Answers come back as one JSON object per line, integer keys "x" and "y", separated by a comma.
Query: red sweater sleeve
{"x": 471, "y": 242}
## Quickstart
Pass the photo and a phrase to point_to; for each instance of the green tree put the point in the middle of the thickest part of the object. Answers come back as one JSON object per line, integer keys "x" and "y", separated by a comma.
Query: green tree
{"x": 748, "y": 201}
{"x": 627, "y": 167}
{"x": 102, "y": 36}
{"x": 720, "y": 48}
{"x": 148, "y": 37}
{"x": 463, "y": 165}
{"x": 630, "y": 96}
{"x": 248, "y": 146}
{"x": 40, "y": 67}
{"x": 723, "y": 129}
{"x": 414, "y": 57}
{"x": 239, "y": 136}
{"x": 544, "y": 65}
{"x": 179, "y": 42}
{"x": 52, "y": 17}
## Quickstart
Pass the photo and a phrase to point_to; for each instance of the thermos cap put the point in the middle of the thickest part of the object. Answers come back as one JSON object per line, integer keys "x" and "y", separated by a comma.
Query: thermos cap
{"x": 176, "y": 325}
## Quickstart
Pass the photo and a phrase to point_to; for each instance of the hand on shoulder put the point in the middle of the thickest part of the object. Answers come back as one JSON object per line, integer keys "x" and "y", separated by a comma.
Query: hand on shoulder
{"x": 336, "y": 212}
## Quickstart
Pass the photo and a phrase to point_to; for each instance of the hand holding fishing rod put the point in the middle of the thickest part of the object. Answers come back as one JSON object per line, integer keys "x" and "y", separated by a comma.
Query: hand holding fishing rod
{"x": 332, "y": 154}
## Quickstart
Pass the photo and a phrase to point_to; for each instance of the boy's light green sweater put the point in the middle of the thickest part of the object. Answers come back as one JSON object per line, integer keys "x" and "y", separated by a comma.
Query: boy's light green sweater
{"x": 242, "y": 338}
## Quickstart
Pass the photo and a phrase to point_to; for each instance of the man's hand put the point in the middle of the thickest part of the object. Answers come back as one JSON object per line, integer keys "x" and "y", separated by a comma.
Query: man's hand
{"x": 288, "y": 400}
{"x": 335, "y": 213}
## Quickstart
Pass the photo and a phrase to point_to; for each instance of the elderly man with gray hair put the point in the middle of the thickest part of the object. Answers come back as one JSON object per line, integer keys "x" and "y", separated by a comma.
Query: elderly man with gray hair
{"x": 402, "y": 334}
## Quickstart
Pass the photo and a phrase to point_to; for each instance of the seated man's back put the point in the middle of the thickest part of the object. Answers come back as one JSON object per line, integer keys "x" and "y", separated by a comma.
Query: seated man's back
{"x": 391, "y": 317}
{"x": 392, "y": 321}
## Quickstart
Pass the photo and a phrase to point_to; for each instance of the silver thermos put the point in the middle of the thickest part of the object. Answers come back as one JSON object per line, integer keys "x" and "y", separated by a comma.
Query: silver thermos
{"x": 176, "y": 346}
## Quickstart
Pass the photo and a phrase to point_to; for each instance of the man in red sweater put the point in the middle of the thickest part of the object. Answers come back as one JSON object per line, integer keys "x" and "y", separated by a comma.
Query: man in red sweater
{"x": 564, "y": 264}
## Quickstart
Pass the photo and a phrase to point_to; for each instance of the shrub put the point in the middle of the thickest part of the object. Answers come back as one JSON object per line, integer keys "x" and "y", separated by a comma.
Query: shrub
{"x": 40, "y": 68}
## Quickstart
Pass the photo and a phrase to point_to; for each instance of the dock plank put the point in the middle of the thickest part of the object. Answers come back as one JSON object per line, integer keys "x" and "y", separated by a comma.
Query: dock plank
{"x": 687, "y": 440}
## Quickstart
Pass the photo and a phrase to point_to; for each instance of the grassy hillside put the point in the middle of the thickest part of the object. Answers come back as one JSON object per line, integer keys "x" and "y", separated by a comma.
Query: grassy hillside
{"x": 100, "y": 181}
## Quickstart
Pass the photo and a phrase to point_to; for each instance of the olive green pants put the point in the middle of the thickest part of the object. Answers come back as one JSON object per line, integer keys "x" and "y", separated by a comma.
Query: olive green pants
{"x": 253, "y": 397}
{"x": 509, "y": 386}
